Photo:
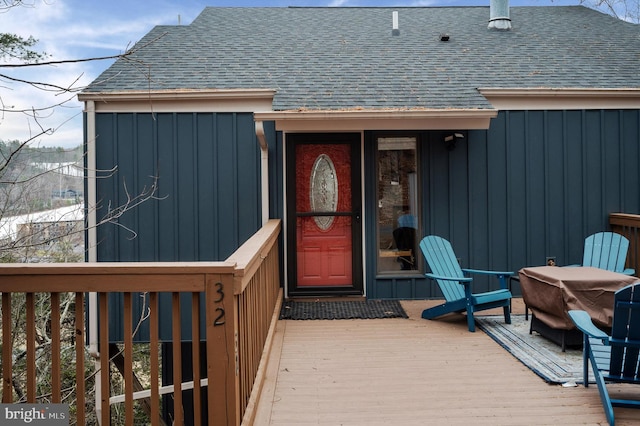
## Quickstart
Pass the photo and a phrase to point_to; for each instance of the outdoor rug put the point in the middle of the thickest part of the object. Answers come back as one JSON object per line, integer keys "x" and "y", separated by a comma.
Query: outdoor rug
{"x": 324, "y": 310}
{"x": 542, "y": 356}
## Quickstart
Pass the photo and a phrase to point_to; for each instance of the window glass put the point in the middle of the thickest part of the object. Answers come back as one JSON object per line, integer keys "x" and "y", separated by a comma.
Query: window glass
{"x": 398, "y": 208}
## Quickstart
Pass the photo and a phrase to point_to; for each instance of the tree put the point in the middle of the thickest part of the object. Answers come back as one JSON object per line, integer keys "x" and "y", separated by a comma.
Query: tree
{"x": 20, "y": 177}
{"x": 25, "y": 186}
{"x": 626, "y": 10}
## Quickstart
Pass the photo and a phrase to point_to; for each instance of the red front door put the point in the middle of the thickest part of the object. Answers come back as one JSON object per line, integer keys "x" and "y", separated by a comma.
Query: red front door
{"x": 323, "y": 198}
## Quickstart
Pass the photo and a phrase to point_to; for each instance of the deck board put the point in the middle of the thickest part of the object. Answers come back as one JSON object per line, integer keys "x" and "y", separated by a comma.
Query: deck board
{"x": 411, "y": 372}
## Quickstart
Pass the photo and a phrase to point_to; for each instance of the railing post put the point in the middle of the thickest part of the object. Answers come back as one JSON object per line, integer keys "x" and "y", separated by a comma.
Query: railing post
{"x": 628, "y": 225}
{"x": 222, "y": 351}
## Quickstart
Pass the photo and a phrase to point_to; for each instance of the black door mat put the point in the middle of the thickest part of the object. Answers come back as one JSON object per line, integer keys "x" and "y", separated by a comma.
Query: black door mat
{"x": 360, "y": 309}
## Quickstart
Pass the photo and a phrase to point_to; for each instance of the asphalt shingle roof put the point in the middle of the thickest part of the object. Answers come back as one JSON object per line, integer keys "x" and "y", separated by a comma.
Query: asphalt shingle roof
{"x": 347, "y": 58}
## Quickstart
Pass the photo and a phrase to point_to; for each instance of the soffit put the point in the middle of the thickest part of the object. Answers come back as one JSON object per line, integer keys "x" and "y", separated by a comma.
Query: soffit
{"x": 357, "y": 120}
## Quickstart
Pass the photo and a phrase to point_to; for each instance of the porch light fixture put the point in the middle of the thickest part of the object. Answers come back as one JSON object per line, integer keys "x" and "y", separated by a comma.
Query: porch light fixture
{"x": 450, "y": 140}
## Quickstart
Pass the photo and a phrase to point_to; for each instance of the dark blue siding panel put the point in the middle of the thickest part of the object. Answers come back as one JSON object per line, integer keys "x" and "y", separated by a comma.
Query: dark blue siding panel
{"x": 630, "y": 153}
{"x": 494, "y": 253}
{"x": 125, "y": 130}
{"x": 207, "y": 170}
{"x": 249, "y": 205}
{"x": 105, "y": 161}
{"x": 459, "y": 197}
{"x": 478, "y": 194}
{"x": 535, "y": 184}
{"x": 404, "y": 289}
{"x": 207, "y": 229}
{"x": 554, "y": 193}
{"x": 145, "y": 153}
{"x": 611, "y": 143}
{"x": 592, "y": 186}
{"x": 438, "y": 187}
{"x": 226, "y": 163}
{"x": 516, "y": 195}
{"x": 276, "y": 170}
{"x": 572, "y": 180}
{"x": 167, "y": 188}
{"x": 187, "y": 181}
{"x": 536, "y": 177}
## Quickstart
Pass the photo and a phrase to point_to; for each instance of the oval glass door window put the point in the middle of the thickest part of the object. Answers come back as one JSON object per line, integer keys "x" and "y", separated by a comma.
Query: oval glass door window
{"x": 323, "y": 194}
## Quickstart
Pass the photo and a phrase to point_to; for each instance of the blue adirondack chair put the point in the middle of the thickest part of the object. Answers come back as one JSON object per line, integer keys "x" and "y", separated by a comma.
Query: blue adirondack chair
{"x": 607, "y": 250}
{"x": 613, "y": 358}
{"x": 455, "y": 284}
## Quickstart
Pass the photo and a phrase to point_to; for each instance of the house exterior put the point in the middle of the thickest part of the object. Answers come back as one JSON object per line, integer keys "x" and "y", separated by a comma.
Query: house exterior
{"x": 365, "y": 129}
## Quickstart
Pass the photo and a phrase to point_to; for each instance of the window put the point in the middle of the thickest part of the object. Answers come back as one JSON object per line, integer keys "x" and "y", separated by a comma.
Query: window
{"x": 398, "y": 208}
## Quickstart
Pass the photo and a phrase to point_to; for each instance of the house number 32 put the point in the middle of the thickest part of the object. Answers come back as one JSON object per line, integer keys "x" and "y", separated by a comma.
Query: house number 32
{"x": 220, "y": 318}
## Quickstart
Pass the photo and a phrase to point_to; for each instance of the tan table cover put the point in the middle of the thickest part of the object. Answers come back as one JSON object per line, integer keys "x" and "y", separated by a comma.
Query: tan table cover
{"x": 551, "y": 291}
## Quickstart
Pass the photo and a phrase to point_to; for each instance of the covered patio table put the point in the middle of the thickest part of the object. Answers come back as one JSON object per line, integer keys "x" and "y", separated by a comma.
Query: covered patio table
{"x": 551, "y": 291}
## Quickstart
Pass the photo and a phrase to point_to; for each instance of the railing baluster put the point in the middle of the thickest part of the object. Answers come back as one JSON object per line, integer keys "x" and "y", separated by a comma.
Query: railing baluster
{"x": 153, "y": 350}
{"x": 195, "y": 358}
{"x": 128, "y": 358}
{"x": 177, "y": 359}
{"x": 7, "y": 350}
{"x": 55, "y": 348}
{"x": 31, "y": 348}
{"x": 79, "y": 342}
{"x": 105, "y": 377}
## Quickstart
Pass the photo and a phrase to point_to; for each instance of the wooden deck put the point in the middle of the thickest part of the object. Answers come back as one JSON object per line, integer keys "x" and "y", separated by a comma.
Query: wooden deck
{"x": 411, "y": 372}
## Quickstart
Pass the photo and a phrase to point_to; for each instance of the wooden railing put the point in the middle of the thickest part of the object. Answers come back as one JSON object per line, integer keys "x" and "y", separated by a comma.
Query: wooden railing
{"x": 241, "y": 298}
{"x": 629, "y": 226}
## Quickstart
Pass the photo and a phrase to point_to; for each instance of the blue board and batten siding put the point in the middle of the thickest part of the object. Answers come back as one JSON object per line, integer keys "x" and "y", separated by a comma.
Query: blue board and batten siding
{"x": 534, "y": 185}
{"x": 207, "y": 169}
{"x": 208, "y": 175}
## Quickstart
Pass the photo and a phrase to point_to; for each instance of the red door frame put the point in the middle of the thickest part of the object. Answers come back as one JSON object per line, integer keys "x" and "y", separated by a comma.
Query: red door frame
{"x": 347, "y": 211}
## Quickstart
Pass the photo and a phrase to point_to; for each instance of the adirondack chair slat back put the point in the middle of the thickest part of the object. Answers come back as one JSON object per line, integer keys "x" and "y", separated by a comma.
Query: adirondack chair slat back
{"x": 606, "y": 250}
{"x": 625, "y": 329}
{"x": 442, "y": 261}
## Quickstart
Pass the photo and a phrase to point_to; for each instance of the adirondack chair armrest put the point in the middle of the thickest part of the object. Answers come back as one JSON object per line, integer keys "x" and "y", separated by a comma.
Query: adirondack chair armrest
{"x": 582, "y": 320}
{"x": 500, "y": 275}
{"x": 461, "y": 280}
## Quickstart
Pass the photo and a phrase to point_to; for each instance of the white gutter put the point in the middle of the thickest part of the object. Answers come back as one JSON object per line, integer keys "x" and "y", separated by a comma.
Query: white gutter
{"x": 92, "y": 239}
{"x": 92, "y": 236}
{"x": 264, "y": 170}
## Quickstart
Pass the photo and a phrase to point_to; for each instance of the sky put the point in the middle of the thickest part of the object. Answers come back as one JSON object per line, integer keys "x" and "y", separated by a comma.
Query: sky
{"x": 74, "y": 29}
